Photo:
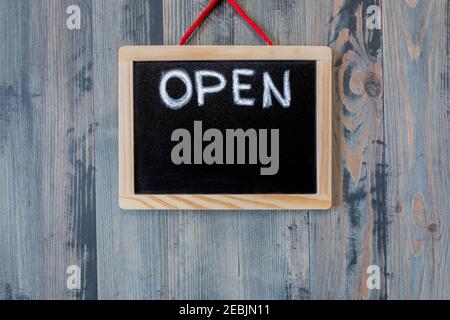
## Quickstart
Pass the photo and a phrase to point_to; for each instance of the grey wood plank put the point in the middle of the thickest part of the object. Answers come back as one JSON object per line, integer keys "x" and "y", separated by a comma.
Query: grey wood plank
{"x": 17, "y": 145}
{"x": 132, "y": 245}
{"x": 416, "y": 113}
{"x": 352, "y": 236}
{"x": 249, "y": 255}
{"x": 47, "y": 165}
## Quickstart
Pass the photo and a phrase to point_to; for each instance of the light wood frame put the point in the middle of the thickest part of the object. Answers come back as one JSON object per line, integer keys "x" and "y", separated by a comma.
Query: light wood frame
{"x": 127, "y": 197}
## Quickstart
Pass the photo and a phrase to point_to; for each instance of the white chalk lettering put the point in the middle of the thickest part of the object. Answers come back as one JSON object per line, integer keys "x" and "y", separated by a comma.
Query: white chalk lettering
{"x": 202, "y": 90}
{"x": 175, "y": 104}
{"x": 269, "y": 88}
{"x": 238, "y": 87}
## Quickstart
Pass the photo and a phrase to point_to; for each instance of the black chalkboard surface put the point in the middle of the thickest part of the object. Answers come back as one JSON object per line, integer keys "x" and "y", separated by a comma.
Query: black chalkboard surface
{"x": 154, "y": 124}
{"x": 219, "y": 127}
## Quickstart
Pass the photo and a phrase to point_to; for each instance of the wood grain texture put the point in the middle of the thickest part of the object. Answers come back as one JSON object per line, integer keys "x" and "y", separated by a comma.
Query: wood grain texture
{"x": 416, "y": 116}
{"x": 390, "y": 150}
{"x": 133, "y": 259}
{"x": 47, "y": 162}
{"x": 352, "y": 236}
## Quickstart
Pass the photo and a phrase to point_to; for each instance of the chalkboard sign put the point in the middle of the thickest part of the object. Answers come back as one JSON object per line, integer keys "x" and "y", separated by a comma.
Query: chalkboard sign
{"x": 214, "y": 127}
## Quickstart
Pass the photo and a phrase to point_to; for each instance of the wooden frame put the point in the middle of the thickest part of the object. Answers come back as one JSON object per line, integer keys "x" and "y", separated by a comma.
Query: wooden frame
{"x": 129, "y": 200}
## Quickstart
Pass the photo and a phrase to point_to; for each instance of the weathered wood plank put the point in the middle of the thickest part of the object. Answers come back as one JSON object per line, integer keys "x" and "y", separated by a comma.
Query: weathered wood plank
{"x": 132, "y": 246}
{"x": 251, "y": 255}
{"x": 416, "y": 113}
{"x": 48, "y": 211}
{"x": 16, "y": 146}
{"x": 352, "y": 236}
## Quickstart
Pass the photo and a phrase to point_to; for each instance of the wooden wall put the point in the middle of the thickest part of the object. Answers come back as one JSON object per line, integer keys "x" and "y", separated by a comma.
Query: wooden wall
{"x": 58, "y": 159}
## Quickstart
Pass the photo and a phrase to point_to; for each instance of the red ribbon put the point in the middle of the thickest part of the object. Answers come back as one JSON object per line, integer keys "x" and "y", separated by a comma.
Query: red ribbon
{"x": 238, "y": 9}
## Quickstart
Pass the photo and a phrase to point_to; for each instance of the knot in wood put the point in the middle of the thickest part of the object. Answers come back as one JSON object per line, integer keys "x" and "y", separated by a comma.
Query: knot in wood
{"x": 432, "y": 227}
{"x": 372, "y": 85}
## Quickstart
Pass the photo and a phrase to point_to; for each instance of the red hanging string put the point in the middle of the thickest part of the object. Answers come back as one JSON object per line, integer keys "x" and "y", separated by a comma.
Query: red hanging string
{"x": 250, "y": 22}
{"x": 199, "y": 20}
{"x": 238, "y": 9}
